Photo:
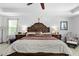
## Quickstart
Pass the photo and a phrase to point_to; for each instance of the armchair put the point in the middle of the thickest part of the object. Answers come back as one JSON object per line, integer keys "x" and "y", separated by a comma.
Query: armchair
{"x": 71, "y": 39}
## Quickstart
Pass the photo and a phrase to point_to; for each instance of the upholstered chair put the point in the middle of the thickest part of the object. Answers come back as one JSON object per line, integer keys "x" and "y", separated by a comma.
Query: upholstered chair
{"x": 72, "y": 39}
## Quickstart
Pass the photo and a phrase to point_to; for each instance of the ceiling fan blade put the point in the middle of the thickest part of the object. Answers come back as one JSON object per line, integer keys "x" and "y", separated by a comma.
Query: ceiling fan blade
{"x": 29, "y": 3}
{"x": 42, "y": 6}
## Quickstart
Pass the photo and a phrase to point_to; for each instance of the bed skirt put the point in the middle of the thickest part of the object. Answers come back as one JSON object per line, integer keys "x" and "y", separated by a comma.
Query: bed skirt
{"x": 38, "y": 54}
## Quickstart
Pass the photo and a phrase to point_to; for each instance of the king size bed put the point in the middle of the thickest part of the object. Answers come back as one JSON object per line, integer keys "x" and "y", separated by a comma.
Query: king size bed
{"x": 37, "y": 44}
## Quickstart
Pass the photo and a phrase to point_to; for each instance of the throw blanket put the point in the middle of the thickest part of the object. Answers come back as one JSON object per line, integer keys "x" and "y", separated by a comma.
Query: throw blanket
{"x": 38, "y": 38}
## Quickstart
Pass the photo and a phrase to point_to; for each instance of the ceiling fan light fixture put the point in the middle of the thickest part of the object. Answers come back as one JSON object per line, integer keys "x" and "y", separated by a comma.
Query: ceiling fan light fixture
{"x": 42, "y": 6}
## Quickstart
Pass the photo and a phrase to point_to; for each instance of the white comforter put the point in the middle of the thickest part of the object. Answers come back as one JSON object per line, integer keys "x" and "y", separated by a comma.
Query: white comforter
{"x": 33, "y": 46}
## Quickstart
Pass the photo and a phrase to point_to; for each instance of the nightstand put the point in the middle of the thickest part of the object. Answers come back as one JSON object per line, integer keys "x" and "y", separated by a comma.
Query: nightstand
{"x": 19, "y": 36}
{"x": 58, "y": 36}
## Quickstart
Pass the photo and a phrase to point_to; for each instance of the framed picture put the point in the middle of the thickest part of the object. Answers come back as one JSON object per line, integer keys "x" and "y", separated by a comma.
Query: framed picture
{"x": 64, "y": 25}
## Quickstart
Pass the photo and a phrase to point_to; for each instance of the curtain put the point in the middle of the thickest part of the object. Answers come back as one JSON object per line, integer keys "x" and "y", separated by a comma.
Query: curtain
{"x": 3, "y": 29}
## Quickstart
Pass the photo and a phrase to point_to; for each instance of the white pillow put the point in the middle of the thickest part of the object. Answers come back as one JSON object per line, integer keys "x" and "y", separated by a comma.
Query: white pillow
{"x": 46, "y": 33}
{"x": 30, "y": 32}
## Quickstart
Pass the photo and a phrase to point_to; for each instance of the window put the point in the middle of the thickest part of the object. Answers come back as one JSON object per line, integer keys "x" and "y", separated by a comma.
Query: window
{"x": 12, "y": 24}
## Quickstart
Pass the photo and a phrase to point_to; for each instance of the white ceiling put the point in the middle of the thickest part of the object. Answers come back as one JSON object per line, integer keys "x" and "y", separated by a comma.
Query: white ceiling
{"x": 23, "y": 9}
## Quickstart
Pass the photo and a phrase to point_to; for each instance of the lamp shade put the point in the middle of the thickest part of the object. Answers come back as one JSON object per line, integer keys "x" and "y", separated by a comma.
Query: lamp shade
{"x": 24, "y": 28}
{"x": 54, "y": 29}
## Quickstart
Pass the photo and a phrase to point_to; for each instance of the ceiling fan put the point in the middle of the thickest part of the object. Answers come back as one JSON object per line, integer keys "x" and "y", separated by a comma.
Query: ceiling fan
{"x": 42, "y": 5}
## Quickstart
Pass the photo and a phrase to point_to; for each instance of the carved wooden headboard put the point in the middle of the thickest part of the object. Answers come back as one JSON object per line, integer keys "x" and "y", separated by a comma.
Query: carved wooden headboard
{"x": 38, "y": 27}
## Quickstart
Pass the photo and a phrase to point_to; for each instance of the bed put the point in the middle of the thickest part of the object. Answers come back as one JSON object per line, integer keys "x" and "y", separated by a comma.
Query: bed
{"x": 38, "y": 47}
{"x": 37, "y": 44}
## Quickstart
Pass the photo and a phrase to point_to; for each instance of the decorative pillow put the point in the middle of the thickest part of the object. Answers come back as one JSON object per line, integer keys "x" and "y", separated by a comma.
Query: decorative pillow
{"x": 38, "y": 33}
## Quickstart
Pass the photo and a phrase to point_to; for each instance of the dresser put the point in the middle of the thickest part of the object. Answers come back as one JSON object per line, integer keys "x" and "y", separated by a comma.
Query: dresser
{"x": 57, "y": 36}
